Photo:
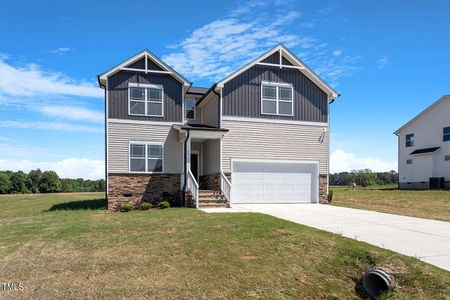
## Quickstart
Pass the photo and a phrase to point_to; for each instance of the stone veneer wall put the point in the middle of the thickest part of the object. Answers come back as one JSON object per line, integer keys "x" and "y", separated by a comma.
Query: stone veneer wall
{"x": 210, "y": 182}
{"x": 323, "y": 189}
{"x": 138, "y": 188}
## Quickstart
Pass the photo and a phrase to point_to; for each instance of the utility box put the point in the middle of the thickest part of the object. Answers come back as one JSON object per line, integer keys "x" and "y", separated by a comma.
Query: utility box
{"x": 437, "y": 183}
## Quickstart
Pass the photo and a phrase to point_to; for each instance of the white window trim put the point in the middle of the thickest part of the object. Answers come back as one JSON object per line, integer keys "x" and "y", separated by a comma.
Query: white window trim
{"x": 186, "y": 109}
{"x": 146, "y": 101}
{"x": 277, "y": 100}
{"x": 146, "y": 156}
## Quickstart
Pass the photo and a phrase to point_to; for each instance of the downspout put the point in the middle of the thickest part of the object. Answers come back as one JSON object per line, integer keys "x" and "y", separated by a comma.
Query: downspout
{"x": 185, "y": 167}
{"x": 220, "y": 108}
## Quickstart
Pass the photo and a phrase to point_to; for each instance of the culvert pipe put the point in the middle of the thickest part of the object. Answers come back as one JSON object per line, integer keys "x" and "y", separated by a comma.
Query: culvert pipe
{"x": 376, "y": 282}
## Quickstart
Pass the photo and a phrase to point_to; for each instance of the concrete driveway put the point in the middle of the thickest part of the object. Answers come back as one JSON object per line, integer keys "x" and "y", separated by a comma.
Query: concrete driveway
{"x": 427, "y": 240}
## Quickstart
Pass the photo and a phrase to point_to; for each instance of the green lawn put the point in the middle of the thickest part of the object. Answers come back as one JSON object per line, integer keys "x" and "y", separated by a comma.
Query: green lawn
{"x": 59, "y": 248}
{"x": 415, "y": 203}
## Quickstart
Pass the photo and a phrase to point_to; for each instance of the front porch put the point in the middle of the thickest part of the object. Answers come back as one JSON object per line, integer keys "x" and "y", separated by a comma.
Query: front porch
{"x": 202, "y": 180}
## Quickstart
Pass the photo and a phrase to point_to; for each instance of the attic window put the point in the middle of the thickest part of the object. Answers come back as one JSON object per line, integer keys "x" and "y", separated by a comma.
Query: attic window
{"x": 446, "y": 136}
{"x": 145, "y": 100}
{"x": 277, "y": 99}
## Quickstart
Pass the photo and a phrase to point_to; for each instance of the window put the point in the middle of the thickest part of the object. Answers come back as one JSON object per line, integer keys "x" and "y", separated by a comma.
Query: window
{"x": 145, "y": 100}
{"x": 447, "y": 158}
{"x": 446, "y": 136}
{"x": 146, "y": 157}
{"x": 190, "y": 109}
{"x": 276, "y": 99}
{"x": 410, "y": 140}
{"x": 409, "y": 161}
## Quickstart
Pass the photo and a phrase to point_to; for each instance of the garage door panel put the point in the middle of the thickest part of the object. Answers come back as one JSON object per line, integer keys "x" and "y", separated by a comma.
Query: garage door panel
{"x": 269, "y": 182}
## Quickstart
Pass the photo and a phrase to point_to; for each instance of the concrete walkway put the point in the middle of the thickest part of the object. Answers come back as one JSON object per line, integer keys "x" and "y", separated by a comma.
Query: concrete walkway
{"x": 427, "y": 240}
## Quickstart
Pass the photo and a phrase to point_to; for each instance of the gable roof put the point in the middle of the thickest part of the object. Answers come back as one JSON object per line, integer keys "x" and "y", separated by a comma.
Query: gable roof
{"x": 146, "y": 54}
{"x": 432, "y": 106}
{"x": 295, "y": 63}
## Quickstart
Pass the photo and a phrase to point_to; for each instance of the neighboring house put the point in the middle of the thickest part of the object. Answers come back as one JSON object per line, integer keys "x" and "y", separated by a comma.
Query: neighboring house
{"x": 424, "y": 148}
{"x": 260, "y": 135}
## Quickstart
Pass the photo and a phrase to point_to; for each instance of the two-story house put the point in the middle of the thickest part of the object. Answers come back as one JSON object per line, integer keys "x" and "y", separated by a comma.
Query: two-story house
{"x": 260, "y": 135}
{"x": 424, "y": 148}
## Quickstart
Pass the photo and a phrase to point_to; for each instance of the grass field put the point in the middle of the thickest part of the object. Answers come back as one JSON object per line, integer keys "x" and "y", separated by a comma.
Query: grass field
{"x": 68, "y": 246}
{"x": 415, "y": 203}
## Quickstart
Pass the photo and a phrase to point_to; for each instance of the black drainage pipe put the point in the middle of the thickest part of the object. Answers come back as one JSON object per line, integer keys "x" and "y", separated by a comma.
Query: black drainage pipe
{"x": 376, "y": 282}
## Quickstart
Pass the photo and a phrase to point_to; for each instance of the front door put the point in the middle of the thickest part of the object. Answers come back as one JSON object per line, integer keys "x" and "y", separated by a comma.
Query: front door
{"x": 194, "y": 165}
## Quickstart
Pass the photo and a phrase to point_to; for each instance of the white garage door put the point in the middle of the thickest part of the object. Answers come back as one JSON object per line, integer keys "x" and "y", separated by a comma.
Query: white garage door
{"x": 274, "y": 182}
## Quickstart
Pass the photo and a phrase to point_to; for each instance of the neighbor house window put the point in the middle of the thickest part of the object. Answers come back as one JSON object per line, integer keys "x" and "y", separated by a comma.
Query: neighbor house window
{"x": 277, "y": 99}
{"x": 446, "y": 136}
{"x": 447, "y": 158}
{"x": 146, "y": 157}
{"x": 409, "y": 161}
{"x": 410, "y": 140}
{"x": 190, "y": 109}
{"x": 145, "y": 100}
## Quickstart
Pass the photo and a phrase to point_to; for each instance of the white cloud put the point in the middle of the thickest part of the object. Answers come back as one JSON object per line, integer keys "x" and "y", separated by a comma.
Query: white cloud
{"x": 73, "y": 113}
{"x": 337, "y": 52}
{"x": 67, "y": 168}
{"x": 382, "y": 62}
{"x": 216, "y": 49}
{"x": 341, "y": 161}
{"x": 50, "y": 126}
{"x": 61, "y": 50}
{"x": 33, "y": 81}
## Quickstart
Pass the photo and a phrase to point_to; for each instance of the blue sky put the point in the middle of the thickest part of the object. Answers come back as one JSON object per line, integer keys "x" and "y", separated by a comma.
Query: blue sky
{"x": 388, "y": 59}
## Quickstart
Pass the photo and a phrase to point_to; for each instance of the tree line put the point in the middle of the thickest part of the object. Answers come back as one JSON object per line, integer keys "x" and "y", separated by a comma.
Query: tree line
{"x": 364, "y": 178}
{"x": 37, "y": 181}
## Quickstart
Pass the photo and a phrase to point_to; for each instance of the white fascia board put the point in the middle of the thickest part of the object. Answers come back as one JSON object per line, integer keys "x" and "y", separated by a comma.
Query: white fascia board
{"x": 420, "y": 115}
{"x": 296, "y": 62}
{"x": 144, "y": 54}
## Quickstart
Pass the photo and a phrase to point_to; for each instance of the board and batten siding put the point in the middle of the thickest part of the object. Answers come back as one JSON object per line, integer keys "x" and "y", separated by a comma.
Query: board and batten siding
{"x": 120, "y": 134}
{"x": 262, "y": 140}
{"x": 211, "y": 112}
{"x": 241, "y": 96}
{"x": 118, "y": 95}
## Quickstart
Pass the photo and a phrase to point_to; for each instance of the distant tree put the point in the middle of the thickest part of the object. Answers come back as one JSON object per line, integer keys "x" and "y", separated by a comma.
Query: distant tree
{"x": 34, "y": 176}
{"x": 49, "y": 182}
{"x": 101, "y": 185}
{"x": 4, "y": 183}
{"x": 364, "y": 177}
{"x": 18, "y": 183}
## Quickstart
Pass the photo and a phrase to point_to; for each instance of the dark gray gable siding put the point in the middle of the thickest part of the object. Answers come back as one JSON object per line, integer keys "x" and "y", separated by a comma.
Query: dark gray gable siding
{"x": 242, "y": 95}
{"x": 140, "y": 64}
{"x": 275, "y": 59}
{"x": 118, "y": 95}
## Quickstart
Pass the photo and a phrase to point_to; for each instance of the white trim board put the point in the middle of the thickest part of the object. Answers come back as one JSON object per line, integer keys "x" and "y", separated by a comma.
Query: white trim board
{"x": 142, "y": 122}
{"x": 274, "y": 121}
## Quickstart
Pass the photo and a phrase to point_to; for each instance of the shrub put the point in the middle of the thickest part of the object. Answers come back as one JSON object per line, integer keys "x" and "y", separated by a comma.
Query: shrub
{"x": 330, "y": 196}
{"x": 127, "y": 207}
{"x": 146, "y": 206}
{"x": 164, "y": 204}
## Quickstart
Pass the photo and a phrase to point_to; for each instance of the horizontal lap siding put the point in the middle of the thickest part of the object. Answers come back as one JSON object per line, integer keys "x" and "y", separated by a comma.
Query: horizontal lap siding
{"x": 120, "y": 134}
{"x": 242, "y": 95}
{"x": 118, "y": 95}
{"x": 211, "y": 112}
{"x": 211, "y": 156}
{"x": 274, "y": 141}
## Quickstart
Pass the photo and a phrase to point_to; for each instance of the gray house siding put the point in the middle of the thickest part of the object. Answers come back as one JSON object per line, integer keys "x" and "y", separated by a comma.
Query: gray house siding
{"x": 140, "y": 64}
{"x": 242, "y": 95}
{"x": 275, "y": 59}
{"x": 118, "y": 95}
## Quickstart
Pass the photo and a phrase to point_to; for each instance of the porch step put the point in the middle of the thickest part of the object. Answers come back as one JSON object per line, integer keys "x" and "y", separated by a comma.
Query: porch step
{"x": 211, "y": 198}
